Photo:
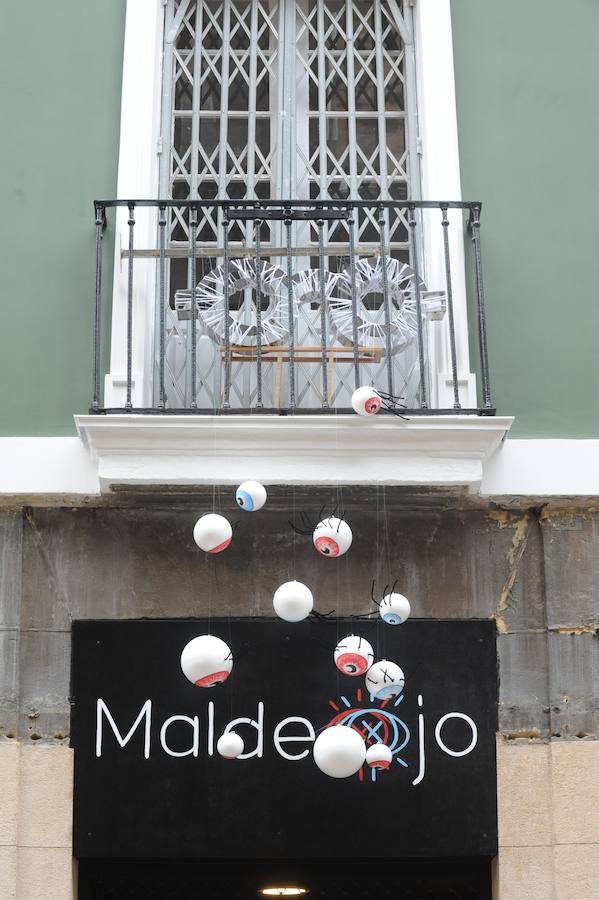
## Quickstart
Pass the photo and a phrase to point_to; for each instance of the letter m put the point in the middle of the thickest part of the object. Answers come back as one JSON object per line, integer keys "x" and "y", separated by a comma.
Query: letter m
{"x": 145, "y": 711}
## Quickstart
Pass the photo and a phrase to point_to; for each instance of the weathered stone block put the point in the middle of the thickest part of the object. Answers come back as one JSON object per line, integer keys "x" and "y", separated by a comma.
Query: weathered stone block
{"x": 524, "y": 803}
{"x": 46, "y": 797}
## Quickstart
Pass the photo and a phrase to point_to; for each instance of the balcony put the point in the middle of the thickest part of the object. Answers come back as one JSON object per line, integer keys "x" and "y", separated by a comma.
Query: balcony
{"x": 299, "y": 303}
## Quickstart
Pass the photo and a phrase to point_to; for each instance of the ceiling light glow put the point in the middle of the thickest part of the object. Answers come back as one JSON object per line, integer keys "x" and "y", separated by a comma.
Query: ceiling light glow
{"x": 284, "y": 891}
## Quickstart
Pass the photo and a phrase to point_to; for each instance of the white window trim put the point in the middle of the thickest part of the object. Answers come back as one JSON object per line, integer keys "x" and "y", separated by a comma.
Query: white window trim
{"x": 138, "y": 178}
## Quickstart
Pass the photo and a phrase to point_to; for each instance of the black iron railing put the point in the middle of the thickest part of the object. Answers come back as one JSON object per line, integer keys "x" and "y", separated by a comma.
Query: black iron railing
{"x": 288, "y": 306}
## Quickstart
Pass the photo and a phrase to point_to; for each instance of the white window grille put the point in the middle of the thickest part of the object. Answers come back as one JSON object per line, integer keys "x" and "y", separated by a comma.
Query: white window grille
{"x": 303, "y": 100}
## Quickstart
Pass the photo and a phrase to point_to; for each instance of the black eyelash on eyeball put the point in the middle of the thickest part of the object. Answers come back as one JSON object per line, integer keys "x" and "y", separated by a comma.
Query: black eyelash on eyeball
{"x": 307, "y": 524}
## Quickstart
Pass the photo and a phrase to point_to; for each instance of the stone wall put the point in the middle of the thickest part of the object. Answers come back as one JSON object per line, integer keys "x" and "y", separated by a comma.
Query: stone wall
{"x": 534, "y": 570}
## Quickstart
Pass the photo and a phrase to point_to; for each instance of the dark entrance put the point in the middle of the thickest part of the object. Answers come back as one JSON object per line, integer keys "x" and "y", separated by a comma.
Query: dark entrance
{"x": 418, "y": 880}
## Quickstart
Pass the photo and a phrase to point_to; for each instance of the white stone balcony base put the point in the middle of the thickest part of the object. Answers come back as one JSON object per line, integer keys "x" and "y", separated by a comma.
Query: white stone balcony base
{"x": 436, "y": 451}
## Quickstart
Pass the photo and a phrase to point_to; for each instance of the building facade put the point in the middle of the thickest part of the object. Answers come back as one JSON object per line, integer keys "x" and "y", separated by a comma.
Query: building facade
{"x": 249, "y": 210}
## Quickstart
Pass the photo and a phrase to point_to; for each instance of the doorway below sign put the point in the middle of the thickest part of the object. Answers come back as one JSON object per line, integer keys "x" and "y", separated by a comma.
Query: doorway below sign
{"x": 468, "y": 879}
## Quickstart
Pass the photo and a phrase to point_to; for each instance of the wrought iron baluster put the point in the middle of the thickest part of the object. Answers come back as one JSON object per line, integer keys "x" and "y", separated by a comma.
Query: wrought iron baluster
{"x": 386, "y": 300}
{"x": 448, "y": 287}
{"x": 227, "y": 346}
{"x": 354, "y": 298}
{"x": 131, "y": 224}
{"x": 423, "y": 390}
{"x": 193, "y": 238}
{"x": 257, "y": 226}
{"x": 323, "y": 316}
{"x": 162, "y": 297}
{"x": 480, "y": 302}
{"x": 97, "y": 343}
{"x": 288, "y": 223}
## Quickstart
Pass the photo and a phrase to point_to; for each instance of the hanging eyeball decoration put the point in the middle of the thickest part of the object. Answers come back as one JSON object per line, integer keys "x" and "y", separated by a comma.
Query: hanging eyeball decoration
{"x": 366, "y": 401}
{"x": 332, "y": 537}
{"x": 293, "y": 601}
{"x": 230, "y": 745}
{"x": 379, "y": 756}
{"x": 212, "y": 533}
{"x": 353, "y": 655}
{"x": 206, "y": 661}
{"x": 394, "y": 609}
{"x": 384, "y": 679}
{"x": 251, "y": 496}
{"x": 339, "y": 751}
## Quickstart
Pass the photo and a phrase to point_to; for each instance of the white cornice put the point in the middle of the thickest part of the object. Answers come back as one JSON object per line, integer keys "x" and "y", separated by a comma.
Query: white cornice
{"x": 196, "y": 450}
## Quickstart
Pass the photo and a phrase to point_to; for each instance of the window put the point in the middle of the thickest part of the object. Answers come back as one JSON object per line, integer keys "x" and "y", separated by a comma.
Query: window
{"x": 309, "y": 99}
{"x": 303, "y": 100}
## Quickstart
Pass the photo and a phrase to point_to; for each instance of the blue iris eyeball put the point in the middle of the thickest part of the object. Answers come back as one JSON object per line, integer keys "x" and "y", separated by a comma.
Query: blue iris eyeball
{"x": 244, "y": 500}
{"x": 251, "y": 496}
{"x": 394, "y": 609}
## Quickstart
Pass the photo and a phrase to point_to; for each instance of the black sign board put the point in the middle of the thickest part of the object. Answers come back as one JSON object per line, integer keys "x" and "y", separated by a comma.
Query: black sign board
{"x": 150, "y": 784}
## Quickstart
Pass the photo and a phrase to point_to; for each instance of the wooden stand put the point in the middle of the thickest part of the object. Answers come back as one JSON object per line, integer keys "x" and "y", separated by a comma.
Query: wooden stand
{"x": 279, "y": 354}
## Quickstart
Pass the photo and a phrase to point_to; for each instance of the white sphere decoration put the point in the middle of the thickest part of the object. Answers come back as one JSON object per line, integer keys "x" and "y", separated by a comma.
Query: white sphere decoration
{"x": 353, "y": 655}
{"x": 206, "y": 661}
{"x": 385, "y": 679}
{"x": 332, "y": 537}
{"x": 339, "y": 751}
{"x": 366, "y": 401}
{"x": 394, "y": 609}
{"x": 251, "y": 496}
{"x": 293, "y": 601}
{"x": 212, "y": 533}
{"x": 230, "y": 745}
{"x": 379, "y": 756}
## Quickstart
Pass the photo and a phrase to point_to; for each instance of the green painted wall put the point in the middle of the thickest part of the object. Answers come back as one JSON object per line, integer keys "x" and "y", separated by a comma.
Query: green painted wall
{"x": 60, "y": 77}
{"x": 527, "y": 82}
{"x": 527, "y": 74}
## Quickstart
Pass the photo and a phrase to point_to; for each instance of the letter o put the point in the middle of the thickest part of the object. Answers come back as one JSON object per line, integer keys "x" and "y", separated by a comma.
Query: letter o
{"x": 443, "y": 746}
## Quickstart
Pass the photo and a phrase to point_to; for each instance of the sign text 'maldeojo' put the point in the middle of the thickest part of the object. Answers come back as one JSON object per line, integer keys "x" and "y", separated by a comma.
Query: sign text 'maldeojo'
{"x": 149, "y": 782}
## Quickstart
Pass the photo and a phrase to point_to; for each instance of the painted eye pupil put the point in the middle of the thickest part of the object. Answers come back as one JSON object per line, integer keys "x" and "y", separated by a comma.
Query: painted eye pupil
{"x": 240, "y": 501}
{"x": 350, "y": 667}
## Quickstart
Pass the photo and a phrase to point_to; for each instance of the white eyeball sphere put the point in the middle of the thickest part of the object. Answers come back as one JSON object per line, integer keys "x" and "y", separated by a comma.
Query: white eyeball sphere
{"x": 212, "y": 533}
{"x": 206, "y": 661}
{"x": 366, "y": 401}
{"x": 384, "y": 679}
{"x": 353, "y": 655}
{"x": 293, "y": 601}
{"x": 379, "y": 756}
{"x": 332, "y": 537}
{"x": 230, "y": 745}
{"x": 394, "y": 609}
{"x": 251, "y": 496}
{"x": 339, "y": 751}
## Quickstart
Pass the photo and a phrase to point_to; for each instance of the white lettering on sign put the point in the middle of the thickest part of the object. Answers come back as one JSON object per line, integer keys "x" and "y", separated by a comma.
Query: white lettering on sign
{"x": 258, "y": 725}
{"x": 421, "y": 754}
{"x": 279, "y": 738}
{"x": 195, "y": 743}
{"x": 444, "y": 747}
{"x": 102, "y": 709}
{"x": 283, "y": 733}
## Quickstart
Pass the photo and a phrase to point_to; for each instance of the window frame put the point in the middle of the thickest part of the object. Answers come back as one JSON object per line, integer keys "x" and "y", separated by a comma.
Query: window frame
{"x": 433, "y": 125}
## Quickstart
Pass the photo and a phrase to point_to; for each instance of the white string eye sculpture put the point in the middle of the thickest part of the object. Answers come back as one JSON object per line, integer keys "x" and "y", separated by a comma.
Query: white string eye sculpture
{"x": 306, "y": 285}
{"x": 371, "y": 328}
{"x": 243, "y": 328}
